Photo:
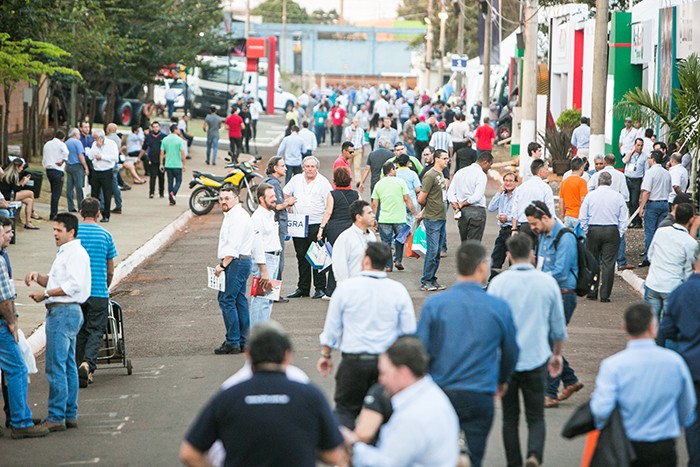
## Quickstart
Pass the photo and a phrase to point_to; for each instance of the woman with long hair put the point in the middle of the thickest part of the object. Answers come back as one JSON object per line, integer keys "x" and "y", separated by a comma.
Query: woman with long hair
{"x": 373, "y": 129}
{"x": 14, "y": 180}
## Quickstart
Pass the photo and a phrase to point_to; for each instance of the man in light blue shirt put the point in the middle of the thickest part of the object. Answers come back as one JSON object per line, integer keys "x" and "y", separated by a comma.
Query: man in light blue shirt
{"x": 651, "y": 386}
{"x": 557, "y": 255}
{"x": 581, "y": 138}
{"x": 369, "y": 312}
{"x": 538, "y": 313}
{"x": 292, "y": 148}
{"x": 388, "y": 132}
{"x": 502, "y": 202}
{"x": 423, "y": 428}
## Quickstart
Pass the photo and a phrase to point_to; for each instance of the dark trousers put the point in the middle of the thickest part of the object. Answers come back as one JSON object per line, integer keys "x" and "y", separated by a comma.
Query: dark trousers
{"x": 475, "y": 413}
{"x": 56, "y": 181}
{"x": 236, "y": 147}
{"x": 692, "y": 433}
{"x": 531, "y": 385}
{"x": 604, "y": 243}
{"x": 498, "y": 255}
{"x": 254, "y": 128}
{"x": 634, "y": 185}
{"x": 568, "y": 376}
{"x": 660, "y": 453}
{"x": 336, "y": 134}
{"x": 292, "y": 170}
{"x": 154, "y": 173}
{"x": 102, "y": 185}
{"x": 472, "y": 223}
{"x": 301, "y": 245}
{"x": 419, "y": 146}
{"x": 89, "y": 339}
{"x": 352, "y": 381}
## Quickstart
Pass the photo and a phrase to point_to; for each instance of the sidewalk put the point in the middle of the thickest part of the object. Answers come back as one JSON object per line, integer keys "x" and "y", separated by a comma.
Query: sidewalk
{"x": 142, "y": 221}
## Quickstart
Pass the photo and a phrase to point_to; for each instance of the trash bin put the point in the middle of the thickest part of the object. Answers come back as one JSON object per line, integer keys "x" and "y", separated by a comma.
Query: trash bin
{"x": 36, "y": 178}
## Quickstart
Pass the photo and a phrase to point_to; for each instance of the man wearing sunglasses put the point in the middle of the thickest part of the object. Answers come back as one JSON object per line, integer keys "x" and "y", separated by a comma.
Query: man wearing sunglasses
{"x": 347, "y": 152}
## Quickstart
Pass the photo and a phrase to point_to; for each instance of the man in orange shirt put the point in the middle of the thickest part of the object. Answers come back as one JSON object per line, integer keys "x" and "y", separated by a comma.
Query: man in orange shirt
{"x": 571, "y": 193}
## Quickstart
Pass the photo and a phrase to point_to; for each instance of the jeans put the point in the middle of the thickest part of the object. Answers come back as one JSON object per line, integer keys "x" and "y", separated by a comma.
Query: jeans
{"x": 498, "y": 255}
{"x": 654, "y": 213}
{"x": 280, "y": 266}
{"x": 174, "y": 180}
{"x": 692, "y": 434}
{"x": 292, "y": 170}
{"x": 75, "y": 179}
{"x": 95, "y": 311}
{"x": 570, "y": 222}
{"x": 236, "y": 147}
{"x": 212, "y": 148}
{"x": 568, "y": 376}
{"x": 14, "y": 372}
{"x": 475, "y": 413}
{"x": 234, "y": 303}
{"x": 388, "y": 233}
{"x": 472, "y": 223}
{"x": 657, "y": 301}
{"x": 56, "y": 180}
{"x": 63, "y": 323}
{"x": 531, "y": 385}
{"x": 116, "y": 190}
{"x": 319, "y": 132}
{"x": 171, "y": 108}
{"x": 153, "y": 174}
{"x": 102, "y": 183}
{"x": 435, "y": 234}
{"x": 261, "y": 308}
{"x": 621, "y": 256}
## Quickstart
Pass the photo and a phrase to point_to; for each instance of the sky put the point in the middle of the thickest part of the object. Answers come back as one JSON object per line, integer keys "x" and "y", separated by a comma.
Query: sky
{"x": 355, "y": 10}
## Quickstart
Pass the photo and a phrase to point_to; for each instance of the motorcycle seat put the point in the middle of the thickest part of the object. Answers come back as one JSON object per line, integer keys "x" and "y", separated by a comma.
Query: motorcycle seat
{"x": 218, "y": 178}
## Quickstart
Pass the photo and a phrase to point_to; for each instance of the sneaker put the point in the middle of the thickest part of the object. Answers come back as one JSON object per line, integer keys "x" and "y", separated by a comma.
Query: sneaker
{"x": 438, "y": 286}
{"x": 71, "y": 424}
{"x": 117, "y": 211}
{"x": 53, "y": 426}
{"x": 36, "y": 431}
{"x": 161, "y": 196}
{"x": 532, "y": 461}
{"x": 83, "y": 374}
{"x": 428, "y": 287}
{"x": 150, "y": 195}
{"x": 326, "y": 298}
{"x": 226, "y": 349}
{"x": 171, "y": 197}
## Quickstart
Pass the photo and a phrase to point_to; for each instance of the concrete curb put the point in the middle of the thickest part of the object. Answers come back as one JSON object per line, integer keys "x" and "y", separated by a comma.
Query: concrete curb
{"x": 636, "y": 282}
{"x": 37, "y": 341}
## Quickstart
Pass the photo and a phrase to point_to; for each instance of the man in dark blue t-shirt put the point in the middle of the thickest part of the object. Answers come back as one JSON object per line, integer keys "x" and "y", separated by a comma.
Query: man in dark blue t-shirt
{"x": 267, "y": 420}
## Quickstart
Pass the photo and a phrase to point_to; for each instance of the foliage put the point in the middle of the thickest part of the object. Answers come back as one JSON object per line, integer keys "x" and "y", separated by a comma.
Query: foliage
{"x": 271, "y": 12}
{"x": 569, "y": 119}
{"x": 557, "y": 143}
{"x": 325, "y": 17}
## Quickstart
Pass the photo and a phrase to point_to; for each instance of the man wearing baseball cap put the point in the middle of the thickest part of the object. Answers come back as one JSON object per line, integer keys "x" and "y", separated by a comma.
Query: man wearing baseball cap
{"x": 441, "y": 139}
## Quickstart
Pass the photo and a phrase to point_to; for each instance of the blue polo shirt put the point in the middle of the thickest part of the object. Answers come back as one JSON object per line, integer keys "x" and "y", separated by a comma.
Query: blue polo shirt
{"x": 562, "y": 262}
{"x": 100, "y": 247}
{"x": 75, "y": 148}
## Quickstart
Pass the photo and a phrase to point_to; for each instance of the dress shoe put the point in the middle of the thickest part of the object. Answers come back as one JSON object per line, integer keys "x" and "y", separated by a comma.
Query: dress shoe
{"x": 150, "y": 196}
{"x": 71, "y": 424}
{"x": 283, "y": 300}
{"x": 125, "y": 188}
{"x": 298, "y": 293}
{"x": 319, "y": 294}
{"x": 104, "y": 220}
{"x": 398, "y": 266}
{"x": 388, "y": 270}
{"x": 550, "y": 403}
{"x": 443, "y": 254}
{"x": 569, "y": 390}
{"x": 626, "y": 267}
{"x": 326, "y": 298}
{"x": 35, "y": 431}
{"x": 227, "y": 349}
{"x": 605, "y": 300}
{"x": 592, "y": 297}
{"x": 72, "y": 210}
{"x": 644, "y": 263}
{"x": 83, "y": 374}
{"x": 53, "y": 426}
{"x": 117, "y": 211}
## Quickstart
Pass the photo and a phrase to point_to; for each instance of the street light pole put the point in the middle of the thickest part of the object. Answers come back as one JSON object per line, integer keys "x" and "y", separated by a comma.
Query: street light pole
{"x": 283, "y": 40}
{"x": 429, "y": 46}
{"x": 600, "y": 79}
{"x": 528, "y": 125}
{"x": 460, "y": 42}
{"x": 441, "y": 71}
{"x": 486, "y": 89}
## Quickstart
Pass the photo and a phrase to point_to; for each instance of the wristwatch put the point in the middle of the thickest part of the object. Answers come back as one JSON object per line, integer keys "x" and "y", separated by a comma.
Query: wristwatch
{"x": 46, "y": 294}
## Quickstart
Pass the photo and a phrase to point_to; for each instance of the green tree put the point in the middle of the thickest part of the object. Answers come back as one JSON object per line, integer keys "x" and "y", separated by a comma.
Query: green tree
{"x": 325, "y": 17}
{"x": 271, "y": 12}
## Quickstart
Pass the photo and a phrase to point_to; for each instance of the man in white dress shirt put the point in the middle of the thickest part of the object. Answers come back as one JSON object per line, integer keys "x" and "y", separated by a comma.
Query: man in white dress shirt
{"x": 679, "y": 176}
{"x": 267, "y": 238}
{"x": 311, "y": 191}
{"x": 627, "y": 137}
{"x": 603, "y": 218}
{"x": 653, "y": 204}
{"x": 104, "y": 155}
{"x": 365, "y": 316}
{"x": 55, "y": 157}
{"x": 423, "y": 429}
{"x": 581, "y": 138}
{"x": 236, "y": 245}
{"x": 309, "y": 139}
{"x": 66, "y": 286}
{"x": 349, "y": 248}
{"x": 535, "y": 189}
{"x": 467, "y": 196}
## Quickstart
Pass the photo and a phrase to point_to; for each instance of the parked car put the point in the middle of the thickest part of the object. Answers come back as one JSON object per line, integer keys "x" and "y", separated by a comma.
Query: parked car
{"x": 178, "y": 86}
{"x": 283, "y": 99}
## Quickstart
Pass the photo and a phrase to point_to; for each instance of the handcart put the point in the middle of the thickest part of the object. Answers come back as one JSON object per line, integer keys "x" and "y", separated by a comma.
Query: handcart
{"x": 113, "y": 350}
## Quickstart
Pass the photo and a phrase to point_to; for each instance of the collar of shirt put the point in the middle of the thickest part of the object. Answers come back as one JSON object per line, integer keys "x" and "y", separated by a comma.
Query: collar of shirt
{"x": 522, "y": 267}
{"x": 640, "y": 343}
{"x": 405, "y": 396}
{"x": 374, "y": 274}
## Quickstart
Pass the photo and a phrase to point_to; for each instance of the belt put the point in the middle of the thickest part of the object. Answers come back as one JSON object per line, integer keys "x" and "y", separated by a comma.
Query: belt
{"x": 567, "y": 291}
{"x": 274, "y": 253}
{"x": 241, "y": 257}
{"x": 52, "y": 305}
{"x": 603, "y": 225}
{"x": 658, "y": 201}
{"x": 360, "y": 356}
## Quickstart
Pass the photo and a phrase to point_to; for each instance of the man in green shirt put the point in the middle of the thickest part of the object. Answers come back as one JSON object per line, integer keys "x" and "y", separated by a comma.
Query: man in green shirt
{"x": 433, "y": 196}
{"x": 422, "y": 136}
{"x": 392, "y": 193}
{"x": 172, "y": 161}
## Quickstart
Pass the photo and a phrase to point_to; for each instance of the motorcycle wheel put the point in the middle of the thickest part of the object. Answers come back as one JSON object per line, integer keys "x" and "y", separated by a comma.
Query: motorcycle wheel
{"x": 251, "y": 200}
{"x": 197, "y": 205}
{"x": 503, "y": 132}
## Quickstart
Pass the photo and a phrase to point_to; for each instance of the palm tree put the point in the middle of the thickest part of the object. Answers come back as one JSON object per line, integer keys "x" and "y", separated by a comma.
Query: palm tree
{"x": 680, "y": 114}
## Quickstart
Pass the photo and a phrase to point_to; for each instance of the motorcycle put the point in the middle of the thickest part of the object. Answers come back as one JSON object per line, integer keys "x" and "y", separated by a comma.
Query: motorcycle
{"x": 208, "y": 185}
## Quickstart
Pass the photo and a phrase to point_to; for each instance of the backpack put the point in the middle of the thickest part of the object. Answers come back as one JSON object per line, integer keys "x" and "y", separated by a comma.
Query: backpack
{"x": 588, "y": 267}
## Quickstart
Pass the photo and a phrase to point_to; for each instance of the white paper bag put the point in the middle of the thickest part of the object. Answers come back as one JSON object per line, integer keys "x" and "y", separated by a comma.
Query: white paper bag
{"x": 298, "y": 225}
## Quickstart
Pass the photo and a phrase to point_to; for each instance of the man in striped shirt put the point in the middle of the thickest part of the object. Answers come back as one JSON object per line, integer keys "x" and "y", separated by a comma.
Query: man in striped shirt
{"x": 100, "y": 246}
{"x": 441, "y": 139}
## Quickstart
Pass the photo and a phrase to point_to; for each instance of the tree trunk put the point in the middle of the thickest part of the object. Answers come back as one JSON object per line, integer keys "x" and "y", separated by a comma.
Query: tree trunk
{"x": 5, "y": 124}
{"x": 600, "y": 79}
{"x": 528, "y": 124}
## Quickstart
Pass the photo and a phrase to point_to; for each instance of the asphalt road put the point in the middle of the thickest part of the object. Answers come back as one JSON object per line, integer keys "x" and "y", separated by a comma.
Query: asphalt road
{"x": 173, "y": 323}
